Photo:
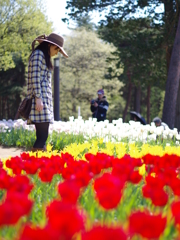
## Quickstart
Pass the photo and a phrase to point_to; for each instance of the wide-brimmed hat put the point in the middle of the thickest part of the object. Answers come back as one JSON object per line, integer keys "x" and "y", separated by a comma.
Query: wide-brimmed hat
{"x": 53, "y": 38}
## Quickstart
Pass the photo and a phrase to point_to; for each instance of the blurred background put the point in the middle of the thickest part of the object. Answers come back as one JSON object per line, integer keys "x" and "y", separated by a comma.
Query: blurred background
{"x": 128, "y": 48}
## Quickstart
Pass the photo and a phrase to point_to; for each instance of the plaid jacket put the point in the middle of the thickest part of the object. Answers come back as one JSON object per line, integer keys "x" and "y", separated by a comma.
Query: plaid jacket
{"x": 39, "y": 85}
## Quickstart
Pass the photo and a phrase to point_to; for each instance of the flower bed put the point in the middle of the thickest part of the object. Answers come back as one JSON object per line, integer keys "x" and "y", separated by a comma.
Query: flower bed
{"x": 18, "y": 133}
{"x": 96, "y": 191}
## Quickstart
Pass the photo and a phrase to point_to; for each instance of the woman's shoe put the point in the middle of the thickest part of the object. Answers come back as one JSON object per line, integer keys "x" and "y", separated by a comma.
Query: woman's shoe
{"x": 37, "y": 149}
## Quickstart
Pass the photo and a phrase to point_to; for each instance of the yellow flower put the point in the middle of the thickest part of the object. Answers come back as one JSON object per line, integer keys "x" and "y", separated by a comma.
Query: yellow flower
{"x": 134, "y": 151}
{"x": 142, "y": 170}
{"x": 49, "y": 148}
{"x": 8, "y": 170}
{"x": 153, "y": 150}
{"x": 172, "y": 150}
{"x": 120, "y": 149}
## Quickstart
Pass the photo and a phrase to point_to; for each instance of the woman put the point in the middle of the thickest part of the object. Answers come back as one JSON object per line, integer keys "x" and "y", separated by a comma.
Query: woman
{"x": 39, "y": 85}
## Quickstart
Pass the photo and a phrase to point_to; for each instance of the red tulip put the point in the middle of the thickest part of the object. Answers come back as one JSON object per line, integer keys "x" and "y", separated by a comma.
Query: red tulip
{"x": 135, "y": 177}
{"x": 1, "y": 164}
{"x": 168, "y": 175}
{"x": 15, "y": 206}
{"x": 169, "y": 161}
{"x": 155, "y": 182}
{"x": 31, "y": 165}
{"x": 37, "y": 233}
{"x": 150, "y": 159}
{"x": 79, "y": 171}
{"x": 16, "y": 164}
{"x": 89, "y": 156}
{"x": 67, "y": 172}
{"x": 25, "y": 155}
{"x": 21, "y": 184}
{"x": 105, "y": 159}
{"x": 173, "y": 160}
{"x": 98, "y": 162}
{"x": 46, "y": 174}
{"x": 57, "y": 163}
{"x": 108, "y": 190}
{"x": 68, "y": 158}
{"x": 122, "y": 171}
{"x": 147, "y": 225}
{"x": 65, "y": 218}
{"x": 174, "y": 184}
{"x": 5, "y": 179}
{"x": 157, "y": 195}
{"x": 82, "y": 178}
{"x": 69, "y": 191}
{"x": 137, "y": 162}
{"x": 150, "y": 169}
{"x": 95, "y": 166}
{"x": 175, "y": 208}
{"x": 104, "y": 233}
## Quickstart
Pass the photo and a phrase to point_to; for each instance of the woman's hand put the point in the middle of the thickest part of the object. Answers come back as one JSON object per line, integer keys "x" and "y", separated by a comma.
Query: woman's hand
{"x": 39, "y": 104}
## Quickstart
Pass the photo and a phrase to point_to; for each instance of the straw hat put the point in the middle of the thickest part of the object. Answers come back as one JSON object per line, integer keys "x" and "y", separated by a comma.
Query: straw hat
{"x": 53, "y": 38}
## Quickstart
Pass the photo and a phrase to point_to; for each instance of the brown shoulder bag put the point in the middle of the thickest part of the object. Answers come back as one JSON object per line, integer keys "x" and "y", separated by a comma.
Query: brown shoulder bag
{"x": 24, "y": 108}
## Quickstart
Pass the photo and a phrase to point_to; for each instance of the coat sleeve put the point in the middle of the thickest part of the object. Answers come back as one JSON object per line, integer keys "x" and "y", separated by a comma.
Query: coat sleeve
{"x": 102, "y": 109}
{"x": 35, "y": 72}
{"x": 93, "y": 108}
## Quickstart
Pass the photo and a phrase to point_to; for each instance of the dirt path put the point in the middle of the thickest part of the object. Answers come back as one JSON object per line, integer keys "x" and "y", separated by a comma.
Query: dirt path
{"x": 6, "y": 152}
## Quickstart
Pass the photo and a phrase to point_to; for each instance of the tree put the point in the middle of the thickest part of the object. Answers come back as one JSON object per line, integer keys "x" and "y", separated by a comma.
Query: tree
{"x": 167, "y": 21}
{"x": 172, "y": 86}
{"x": 12, "y": 81}
{"x": 137, "y": 43}
{"x": 85, "y": 22}
{"x": 21, "y": 21}
{"x": 83, "y": 73}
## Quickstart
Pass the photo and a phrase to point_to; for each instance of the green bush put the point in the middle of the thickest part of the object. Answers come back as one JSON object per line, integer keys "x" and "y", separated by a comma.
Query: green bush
{"x": 24, "y": 138}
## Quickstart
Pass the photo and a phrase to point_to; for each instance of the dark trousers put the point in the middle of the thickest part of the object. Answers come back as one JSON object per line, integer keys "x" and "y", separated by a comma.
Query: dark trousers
{"x": 42, "y": 130}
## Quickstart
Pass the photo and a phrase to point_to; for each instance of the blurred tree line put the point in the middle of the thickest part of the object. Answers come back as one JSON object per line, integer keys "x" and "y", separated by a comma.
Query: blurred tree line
{"x": 144, "y": 36}
{"x": 84, "y": 73}
{"x": 127, "y": 56}
{"x": 20, "y": 22}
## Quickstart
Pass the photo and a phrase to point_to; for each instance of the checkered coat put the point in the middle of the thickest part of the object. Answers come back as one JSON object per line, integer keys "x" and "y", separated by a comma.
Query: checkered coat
{"x": 39, "y": 85}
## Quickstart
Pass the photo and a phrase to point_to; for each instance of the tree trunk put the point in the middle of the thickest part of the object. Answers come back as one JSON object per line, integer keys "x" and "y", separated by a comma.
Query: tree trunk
{"x": 128, "y": 97}
{"x": 0, "y": 107}
{"x": 137, "y": 102}
{"x": 177, "y": 119}
{"x": 74, "y": 107}
{"x": 148, "y": 103}
{"x": 3, "y": 109}
{"x": 170, "y": 29}
{"x": 172, "y": 84}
